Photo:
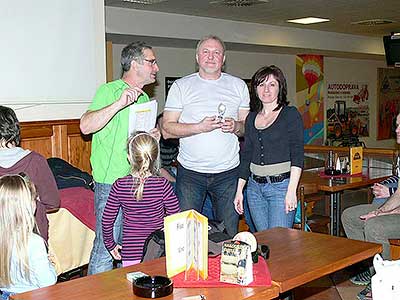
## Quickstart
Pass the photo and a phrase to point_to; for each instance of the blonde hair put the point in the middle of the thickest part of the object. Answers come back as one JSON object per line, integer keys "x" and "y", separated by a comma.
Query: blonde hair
{"x": 17, "y": 222}
{"x": 144, "y": 157}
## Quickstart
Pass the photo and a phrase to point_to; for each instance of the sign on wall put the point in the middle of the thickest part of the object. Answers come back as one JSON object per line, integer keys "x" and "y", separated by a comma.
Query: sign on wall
{"x": 168, "y": 83}
{"x": 388, "y": 102}
{"x": 310, "y": 97}
{"x": 347, "y": 110}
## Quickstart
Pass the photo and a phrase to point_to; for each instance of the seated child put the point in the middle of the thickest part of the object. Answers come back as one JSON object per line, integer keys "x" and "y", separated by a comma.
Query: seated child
{"x": 24, "y": 263}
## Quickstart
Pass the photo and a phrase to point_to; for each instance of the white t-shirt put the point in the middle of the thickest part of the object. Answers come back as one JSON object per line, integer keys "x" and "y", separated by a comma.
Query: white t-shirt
{"x": 197, "y": 98}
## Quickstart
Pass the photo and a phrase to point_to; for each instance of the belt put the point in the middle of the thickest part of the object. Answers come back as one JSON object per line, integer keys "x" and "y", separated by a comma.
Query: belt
{"x": 270, "y": 179}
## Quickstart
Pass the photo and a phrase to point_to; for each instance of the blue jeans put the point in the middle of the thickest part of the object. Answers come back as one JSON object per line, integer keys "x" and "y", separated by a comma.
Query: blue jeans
{"x": 192, "y": 187}
{"x": 247, "y": 215}
{"x": 267, "y": 204}
{"x": 6, "y": 295}
{"x": 100, "y": 259}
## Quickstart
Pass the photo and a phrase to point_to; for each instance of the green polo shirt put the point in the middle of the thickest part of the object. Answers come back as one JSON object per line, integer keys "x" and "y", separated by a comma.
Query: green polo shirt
{"x": 109, "y": 150}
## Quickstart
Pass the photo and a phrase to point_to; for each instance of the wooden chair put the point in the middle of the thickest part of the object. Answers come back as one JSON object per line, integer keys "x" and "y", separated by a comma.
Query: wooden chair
{"x": 394, "y": 248}
{"x": 307, "y": 193}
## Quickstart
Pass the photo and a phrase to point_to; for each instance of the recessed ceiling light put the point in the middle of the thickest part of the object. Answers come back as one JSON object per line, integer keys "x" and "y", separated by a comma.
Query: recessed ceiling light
{"x": 144, "y": 1}
{"x": 238, "y": 3}
{"x": 373, "y": 22}
{"x": 308, "y": 20}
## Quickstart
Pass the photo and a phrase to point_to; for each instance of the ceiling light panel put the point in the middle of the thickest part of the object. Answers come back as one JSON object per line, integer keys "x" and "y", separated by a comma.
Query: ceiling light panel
{"x": 238, "y": 3}
{"x": 146, "y": 2}
{"x": 373, "y": 22}
{"x": 308, "y": 20}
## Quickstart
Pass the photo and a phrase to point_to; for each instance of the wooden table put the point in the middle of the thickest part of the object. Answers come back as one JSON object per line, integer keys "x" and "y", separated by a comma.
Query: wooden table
{"x": 335, "y": 186}
{"x": 113, "y": 285}
{"x": 298, "y": 257}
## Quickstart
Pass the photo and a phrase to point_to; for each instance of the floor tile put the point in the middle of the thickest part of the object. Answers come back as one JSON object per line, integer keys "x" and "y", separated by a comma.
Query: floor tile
{"x": 336, "y": 286}
{"x": 316, "y": 293}
{"x": 349, "y": 292}
{"x": 325, "y": 281}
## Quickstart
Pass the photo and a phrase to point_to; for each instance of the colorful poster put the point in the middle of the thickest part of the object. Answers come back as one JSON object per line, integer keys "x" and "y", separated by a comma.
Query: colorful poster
{"x": 347, "y": 111}
{"x": 388, "y": 102}
{"x": 310, "y": 96}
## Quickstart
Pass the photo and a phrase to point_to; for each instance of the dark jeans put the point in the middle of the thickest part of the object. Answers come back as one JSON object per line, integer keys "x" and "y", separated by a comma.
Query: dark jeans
{"x": 5, "y": 295}
{"x": 192, "y": 187}
{"x": 207, "y": 209}
{"x": 209, "y": 212}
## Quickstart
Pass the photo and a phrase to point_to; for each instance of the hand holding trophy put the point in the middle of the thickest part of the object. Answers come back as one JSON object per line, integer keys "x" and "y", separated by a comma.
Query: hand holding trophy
{"x": 221, "y": 112}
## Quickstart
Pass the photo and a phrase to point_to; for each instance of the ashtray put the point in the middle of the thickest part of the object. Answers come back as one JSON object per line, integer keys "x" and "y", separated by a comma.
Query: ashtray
{"x": 152, "y": 286}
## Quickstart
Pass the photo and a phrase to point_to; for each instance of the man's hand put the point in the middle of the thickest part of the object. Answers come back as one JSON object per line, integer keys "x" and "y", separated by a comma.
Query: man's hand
{"x": 155, "y": 133}
{"x": 209, "y": 124}
{"x": 380, "y": 190}
{"x": 369, "y": 215}
{"x": 129, "y": 96}
{"x": 229, "y": 125}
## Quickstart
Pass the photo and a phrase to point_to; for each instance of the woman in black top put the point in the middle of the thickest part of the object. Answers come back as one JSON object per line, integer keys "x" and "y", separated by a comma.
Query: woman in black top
{"x": 273, "y": 154}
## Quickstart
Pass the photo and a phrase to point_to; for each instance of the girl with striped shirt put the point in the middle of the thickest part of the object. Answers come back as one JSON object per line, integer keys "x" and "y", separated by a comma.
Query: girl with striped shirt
{"x": 144, "y": 197}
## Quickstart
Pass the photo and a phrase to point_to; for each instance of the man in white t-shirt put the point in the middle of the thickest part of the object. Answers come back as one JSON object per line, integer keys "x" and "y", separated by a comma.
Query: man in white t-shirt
{"x": 207, "y": 110}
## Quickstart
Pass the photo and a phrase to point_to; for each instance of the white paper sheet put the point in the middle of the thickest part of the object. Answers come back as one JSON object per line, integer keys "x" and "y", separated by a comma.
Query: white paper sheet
{"x": 142, "y": 117}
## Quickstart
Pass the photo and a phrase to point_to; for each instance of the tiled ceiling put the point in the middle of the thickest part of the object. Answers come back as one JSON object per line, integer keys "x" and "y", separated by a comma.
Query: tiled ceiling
{"x": 342, "y": 13}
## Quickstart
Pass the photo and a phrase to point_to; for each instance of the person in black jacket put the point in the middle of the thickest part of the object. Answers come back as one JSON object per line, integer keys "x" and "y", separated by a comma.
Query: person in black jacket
{"x": 273, "y": 154}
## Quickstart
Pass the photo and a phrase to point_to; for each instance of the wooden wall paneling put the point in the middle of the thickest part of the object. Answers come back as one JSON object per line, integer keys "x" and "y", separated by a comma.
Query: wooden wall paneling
{"x": 40, "y": 145}
{"x": 58, "y": 138}
{"x": 59, "y": 142}
{"x": 35, "y": 130}
{"x": 79, "y": 153}
{"x": 109, "y": 62}
{"x": 37, "y": 136}
{"x": 79, "y": 147}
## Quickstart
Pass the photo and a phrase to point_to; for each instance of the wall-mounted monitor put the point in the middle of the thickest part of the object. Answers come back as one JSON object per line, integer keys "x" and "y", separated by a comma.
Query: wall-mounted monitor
{"x": 392, "y": 50}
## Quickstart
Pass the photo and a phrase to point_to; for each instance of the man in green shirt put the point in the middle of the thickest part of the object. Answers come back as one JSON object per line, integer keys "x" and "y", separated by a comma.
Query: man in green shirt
{"x": 108, "y": 119}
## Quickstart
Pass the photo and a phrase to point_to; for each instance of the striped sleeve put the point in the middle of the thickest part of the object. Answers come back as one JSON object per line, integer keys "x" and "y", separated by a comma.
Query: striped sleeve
{"x": 392, "y": 187}
{"x": 109, "y": 216}
{"x": 170, "y": 200}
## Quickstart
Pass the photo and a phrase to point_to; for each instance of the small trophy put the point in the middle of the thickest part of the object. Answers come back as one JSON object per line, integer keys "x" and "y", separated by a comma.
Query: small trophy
{"x": 221, "y": 112}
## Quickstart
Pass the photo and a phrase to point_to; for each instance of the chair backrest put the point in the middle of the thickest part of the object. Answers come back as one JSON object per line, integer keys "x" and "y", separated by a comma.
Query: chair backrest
{"x": 304, "y": 190}
{"x": 394, "y": 248}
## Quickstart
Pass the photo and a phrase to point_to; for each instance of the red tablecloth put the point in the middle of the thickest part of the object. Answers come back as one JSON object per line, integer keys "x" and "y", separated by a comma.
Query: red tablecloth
{"x": 261, "y": 276}
{"x": 80, "y": 203}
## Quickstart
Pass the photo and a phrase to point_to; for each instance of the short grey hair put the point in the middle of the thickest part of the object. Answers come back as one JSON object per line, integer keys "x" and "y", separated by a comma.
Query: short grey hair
{"x": 133, "y": 51}
{"x": 210, "y": 37}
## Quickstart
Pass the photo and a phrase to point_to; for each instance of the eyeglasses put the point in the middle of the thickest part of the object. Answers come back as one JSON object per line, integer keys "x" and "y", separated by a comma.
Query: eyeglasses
{"x": 151, "y": 61}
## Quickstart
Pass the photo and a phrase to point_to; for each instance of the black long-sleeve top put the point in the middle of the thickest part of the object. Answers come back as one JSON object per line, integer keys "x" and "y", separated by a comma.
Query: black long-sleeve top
{"x": 281, "y": 142}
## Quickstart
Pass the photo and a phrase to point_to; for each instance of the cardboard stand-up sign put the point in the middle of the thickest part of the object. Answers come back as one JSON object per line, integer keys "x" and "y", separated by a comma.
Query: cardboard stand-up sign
{"x": 356, "y": 160}
{"x": 186, "y": 244}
